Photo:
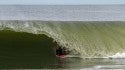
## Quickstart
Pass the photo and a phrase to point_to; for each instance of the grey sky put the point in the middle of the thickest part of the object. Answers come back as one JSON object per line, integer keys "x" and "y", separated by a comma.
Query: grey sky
{"x": 64, "y": 2}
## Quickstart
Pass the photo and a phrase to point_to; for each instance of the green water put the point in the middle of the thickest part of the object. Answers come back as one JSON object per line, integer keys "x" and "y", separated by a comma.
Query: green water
{"x": 24, "y": 50}
{"x": 94, "y": 39}
{"x": 31, "y": 44}
{"x": 91, "y": 64}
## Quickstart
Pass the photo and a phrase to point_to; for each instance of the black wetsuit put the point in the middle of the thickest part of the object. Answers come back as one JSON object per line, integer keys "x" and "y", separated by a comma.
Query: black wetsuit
{"x": 59, "y": 51}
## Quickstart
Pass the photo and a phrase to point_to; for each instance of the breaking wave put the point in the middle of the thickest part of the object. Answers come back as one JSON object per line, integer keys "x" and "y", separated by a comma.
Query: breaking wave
{"x": 94, "y": 39}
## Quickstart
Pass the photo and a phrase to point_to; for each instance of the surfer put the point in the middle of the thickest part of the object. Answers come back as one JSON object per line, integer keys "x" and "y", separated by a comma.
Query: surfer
{"x": 61, "y": 51}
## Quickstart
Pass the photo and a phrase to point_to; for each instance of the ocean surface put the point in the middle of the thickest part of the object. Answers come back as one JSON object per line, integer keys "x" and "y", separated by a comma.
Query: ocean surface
{"x": 30, "y": 44}
{"x": 63, "y": 12}
{"x": 94, "y": 35}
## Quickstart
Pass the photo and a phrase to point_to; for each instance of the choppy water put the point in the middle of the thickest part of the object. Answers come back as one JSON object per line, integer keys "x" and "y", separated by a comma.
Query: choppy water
{"x": 63, "y": 12}
{"x": 30, "y": 44}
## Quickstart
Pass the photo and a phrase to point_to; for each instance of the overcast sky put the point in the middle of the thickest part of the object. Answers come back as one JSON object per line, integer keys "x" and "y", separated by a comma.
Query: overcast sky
{"x": 64, "y": 2}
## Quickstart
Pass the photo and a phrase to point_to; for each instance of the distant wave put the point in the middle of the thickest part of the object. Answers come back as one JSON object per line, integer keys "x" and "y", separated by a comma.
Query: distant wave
{"x": 63, "y": 12}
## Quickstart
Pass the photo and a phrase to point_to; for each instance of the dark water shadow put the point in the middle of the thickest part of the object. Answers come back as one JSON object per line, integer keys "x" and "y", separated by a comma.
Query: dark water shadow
{"x": 25, "y": 50}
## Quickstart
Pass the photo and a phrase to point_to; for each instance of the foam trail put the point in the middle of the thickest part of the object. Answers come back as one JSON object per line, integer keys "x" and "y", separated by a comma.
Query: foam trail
{"x": 121, "y": 67}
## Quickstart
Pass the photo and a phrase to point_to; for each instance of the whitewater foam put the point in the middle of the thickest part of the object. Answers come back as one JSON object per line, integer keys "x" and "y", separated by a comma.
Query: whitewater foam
{"x": 118, "y": 55}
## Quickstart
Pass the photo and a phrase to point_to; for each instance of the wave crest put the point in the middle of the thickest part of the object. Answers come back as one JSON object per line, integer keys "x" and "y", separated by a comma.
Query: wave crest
{"x": 90, "y": 39}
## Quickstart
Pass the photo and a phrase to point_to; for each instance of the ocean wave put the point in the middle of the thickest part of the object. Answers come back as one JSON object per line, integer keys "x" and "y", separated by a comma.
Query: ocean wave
{"x": 88, "y": 39}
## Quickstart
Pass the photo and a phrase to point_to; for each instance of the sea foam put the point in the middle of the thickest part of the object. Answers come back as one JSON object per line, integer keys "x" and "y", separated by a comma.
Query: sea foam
{"x": 118, "y": 55}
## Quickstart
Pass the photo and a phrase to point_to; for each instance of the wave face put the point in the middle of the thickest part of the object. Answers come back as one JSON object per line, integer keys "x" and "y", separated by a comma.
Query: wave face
{"x": 88, "y": 38}
{"x": 26, "y": 50}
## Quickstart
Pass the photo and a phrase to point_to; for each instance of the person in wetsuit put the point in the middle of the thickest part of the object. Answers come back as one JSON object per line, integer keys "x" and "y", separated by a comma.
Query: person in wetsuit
{"x": 59, "y": 51}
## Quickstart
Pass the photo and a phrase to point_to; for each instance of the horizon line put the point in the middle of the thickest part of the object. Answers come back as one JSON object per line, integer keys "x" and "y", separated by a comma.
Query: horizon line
{"x": 62, "y": 4}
